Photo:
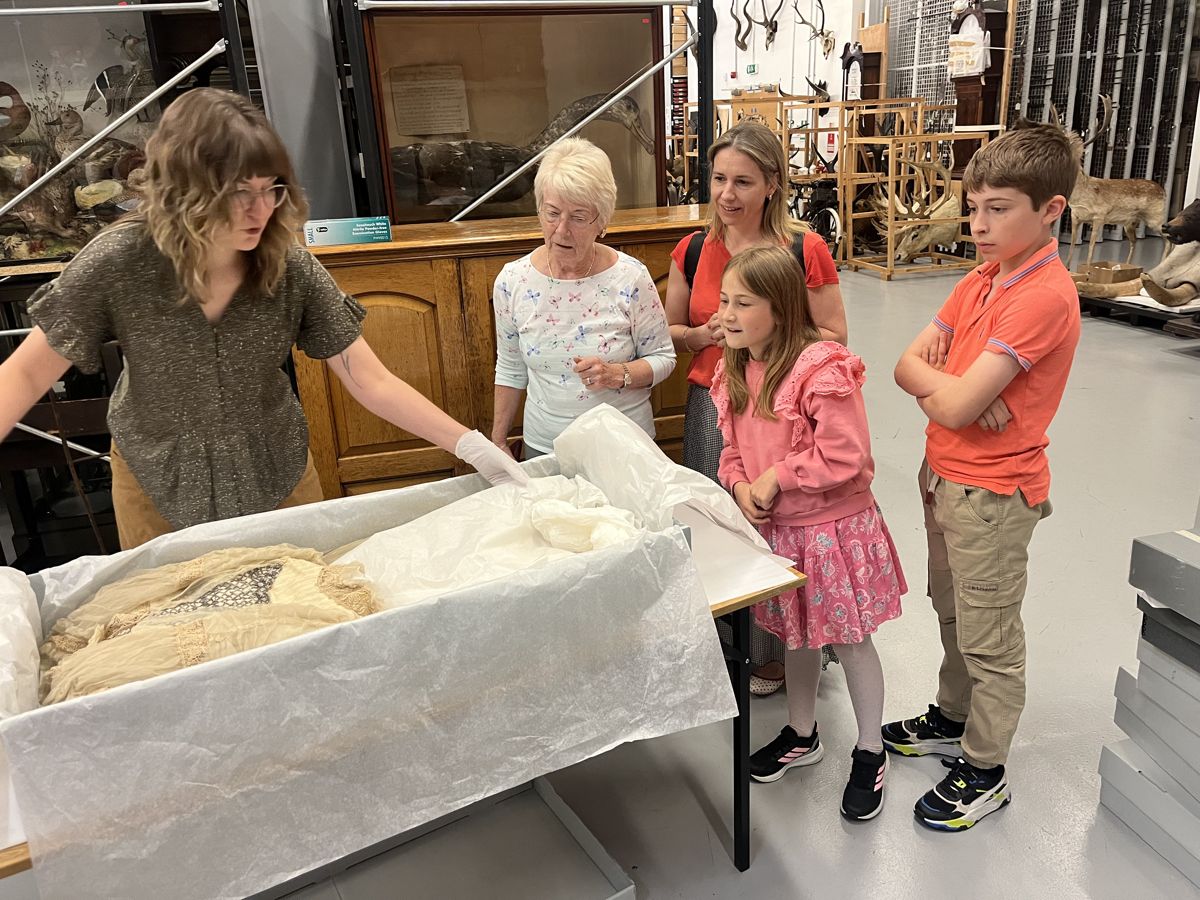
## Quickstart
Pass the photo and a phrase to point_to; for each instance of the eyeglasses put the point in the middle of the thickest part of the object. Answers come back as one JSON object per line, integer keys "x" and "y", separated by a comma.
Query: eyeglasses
{"x": 575, "y": 220}
{"x": 244, "y": 200}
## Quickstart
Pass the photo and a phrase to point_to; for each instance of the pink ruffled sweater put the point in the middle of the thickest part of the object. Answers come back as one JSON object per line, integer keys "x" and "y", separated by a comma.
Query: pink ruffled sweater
{"x": 819, "y": 443}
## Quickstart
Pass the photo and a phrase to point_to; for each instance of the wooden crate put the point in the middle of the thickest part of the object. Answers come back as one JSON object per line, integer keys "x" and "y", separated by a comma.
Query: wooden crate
{"x": 861, "y": 166}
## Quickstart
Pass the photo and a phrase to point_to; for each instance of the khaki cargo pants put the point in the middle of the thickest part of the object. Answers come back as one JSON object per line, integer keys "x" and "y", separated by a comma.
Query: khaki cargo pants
{"x": 978, "y": 569}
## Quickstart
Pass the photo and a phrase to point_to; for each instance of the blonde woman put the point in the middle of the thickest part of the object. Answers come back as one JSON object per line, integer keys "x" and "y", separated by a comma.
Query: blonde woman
{"x": 207, "y": 291}
{"x": 577, "y": 323}
{"x": 748, "y": 208}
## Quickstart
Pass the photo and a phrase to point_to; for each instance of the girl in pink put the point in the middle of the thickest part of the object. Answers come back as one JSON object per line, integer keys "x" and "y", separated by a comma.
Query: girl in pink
{"x": 797, "y": 459}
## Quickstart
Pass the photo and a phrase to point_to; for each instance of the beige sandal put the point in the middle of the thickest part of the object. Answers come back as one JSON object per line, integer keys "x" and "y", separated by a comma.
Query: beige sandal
{"x": 764, "y": 687}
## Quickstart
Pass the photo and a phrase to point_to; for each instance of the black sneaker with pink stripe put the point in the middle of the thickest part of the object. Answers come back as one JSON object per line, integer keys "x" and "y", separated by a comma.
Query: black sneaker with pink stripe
{"x": 863, "y": 797}
{"x": 786, "y": 751}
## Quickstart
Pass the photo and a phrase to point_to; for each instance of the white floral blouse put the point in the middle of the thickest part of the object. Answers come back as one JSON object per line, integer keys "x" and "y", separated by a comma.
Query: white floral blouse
{"x": 543, "y": 324}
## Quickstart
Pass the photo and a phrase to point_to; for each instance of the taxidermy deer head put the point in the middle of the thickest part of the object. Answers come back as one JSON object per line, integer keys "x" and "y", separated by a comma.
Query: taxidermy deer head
{"x": 769, "y": 23}
{"x": 932, "y": 215}
{"x": 818, "y": 33}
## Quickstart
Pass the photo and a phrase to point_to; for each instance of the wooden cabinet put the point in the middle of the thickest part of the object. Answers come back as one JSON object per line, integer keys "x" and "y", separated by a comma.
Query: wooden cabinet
{"x": 429, "y": 299}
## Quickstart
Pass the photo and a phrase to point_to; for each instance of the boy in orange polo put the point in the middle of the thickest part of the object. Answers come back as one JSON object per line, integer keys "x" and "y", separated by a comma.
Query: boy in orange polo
{"x": 989, "y": 371}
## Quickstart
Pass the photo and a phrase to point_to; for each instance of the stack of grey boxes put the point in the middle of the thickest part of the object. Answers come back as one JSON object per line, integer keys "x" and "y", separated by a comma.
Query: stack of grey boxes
{"x": 1151, "y": 780}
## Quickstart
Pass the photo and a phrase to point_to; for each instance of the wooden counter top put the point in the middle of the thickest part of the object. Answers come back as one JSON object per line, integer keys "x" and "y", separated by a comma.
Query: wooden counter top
{"x": 14, "y": 859}
{"x": 491, "y": 236}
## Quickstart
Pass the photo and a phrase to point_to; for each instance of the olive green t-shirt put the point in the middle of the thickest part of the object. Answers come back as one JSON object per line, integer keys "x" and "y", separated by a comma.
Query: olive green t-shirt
{"x": 203, "y": 413}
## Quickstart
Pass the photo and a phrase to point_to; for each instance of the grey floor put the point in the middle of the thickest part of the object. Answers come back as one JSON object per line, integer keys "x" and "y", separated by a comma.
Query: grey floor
{"x": 1123, "y": 455}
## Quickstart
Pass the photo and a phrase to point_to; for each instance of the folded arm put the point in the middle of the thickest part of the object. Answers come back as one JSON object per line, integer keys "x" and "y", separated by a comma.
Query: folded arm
{"x": 959, "y": 401}
{"x": 914, "y": 372}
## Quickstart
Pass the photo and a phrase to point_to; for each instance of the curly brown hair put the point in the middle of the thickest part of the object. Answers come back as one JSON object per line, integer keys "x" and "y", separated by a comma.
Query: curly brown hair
{"x": 207, "y": 142}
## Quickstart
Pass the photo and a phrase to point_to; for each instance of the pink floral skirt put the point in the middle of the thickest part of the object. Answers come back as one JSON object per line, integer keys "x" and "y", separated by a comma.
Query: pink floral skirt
{"x": 854, "y": 581}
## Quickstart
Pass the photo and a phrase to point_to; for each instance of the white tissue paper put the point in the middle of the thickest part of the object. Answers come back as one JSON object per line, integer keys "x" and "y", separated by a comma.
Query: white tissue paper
{"x": 237, "y": 774}
{"x": 20, "y": 636}
{"x": 512, "y": 528}
{"x": 623, "y": 461}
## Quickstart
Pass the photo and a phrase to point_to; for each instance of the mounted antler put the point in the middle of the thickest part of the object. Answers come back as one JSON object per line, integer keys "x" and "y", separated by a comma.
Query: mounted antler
{"x": 830, "y": 165}
{"x": 1086, "y": 138}
{"x": 691, "y": 28}
{"x": 1106, "y": 120}
{"x": 924, "y": 205}
{"x": 741, "y": 38}
{"x": 821, "y": 90}
{"x": 770, "y": 23}
{"x": 818, "y": 33}
{"x": 936, "y": 213}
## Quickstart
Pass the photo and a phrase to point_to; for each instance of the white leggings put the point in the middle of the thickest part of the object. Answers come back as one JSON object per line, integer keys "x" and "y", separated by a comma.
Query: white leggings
{"x": 864, "y": 677}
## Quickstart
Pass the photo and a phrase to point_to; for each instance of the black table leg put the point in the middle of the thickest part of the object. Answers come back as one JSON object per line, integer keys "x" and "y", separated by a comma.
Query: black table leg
{"x": 739, "y": 672}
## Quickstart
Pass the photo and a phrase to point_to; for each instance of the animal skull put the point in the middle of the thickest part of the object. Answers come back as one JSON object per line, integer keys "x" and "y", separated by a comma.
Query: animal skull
{"x": 1176, "y": 280}
{"x": 819, "y": 33}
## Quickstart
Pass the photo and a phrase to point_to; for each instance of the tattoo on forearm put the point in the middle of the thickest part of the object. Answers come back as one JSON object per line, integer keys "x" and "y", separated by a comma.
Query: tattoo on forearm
{"x": 346, "y": 363}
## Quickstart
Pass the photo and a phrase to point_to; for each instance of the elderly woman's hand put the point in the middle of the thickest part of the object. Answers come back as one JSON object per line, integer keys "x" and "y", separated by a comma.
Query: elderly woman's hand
{"x": 597, "y": 375}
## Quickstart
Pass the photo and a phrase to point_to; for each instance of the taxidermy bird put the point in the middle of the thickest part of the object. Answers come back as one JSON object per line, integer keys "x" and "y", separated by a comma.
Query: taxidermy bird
{"x": 99, "y": 162}
{"x": 122, "y": 87}
{"x": 48, "y": 210}
{"x": 453, "y": 173}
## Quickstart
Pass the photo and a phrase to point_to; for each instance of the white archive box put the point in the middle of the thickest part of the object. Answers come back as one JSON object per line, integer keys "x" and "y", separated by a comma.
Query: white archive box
{"x": 242, "y": 773}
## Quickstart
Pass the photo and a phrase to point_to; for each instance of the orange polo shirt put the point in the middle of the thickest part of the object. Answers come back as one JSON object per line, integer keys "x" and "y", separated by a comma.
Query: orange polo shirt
{"x": 1034, "y": 318}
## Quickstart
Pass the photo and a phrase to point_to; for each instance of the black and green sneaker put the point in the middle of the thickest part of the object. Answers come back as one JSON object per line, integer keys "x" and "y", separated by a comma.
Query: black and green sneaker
{"x": 930, "y": 733}
{"x": 963, "y": 797}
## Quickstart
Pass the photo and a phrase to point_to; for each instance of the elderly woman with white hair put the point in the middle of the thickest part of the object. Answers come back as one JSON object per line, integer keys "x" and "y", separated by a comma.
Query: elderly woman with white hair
{"x": 577, "y": 323}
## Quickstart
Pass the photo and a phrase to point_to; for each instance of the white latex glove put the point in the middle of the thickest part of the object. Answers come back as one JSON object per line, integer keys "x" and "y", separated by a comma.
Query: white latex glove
{"x": 489, "y": 460}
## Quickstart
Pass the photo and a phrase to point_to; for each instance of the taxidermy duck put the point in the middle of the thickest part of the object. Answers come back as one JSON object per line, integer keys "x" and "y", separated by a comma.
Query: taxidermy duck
{"x": 453, "y": 173}
{"x": 15, "y": 117}
{"x": 98, "y": 163}
{"x": 50, "y": 209}
{"x": 121, "y": 87}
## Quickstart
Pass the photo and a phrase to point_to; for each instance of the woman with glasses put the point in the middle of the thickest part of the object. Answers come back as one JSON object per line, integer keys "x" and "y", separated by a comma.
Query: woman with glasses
{"x": 577, "y": 323}
{"x": 749, "y": 188}
{"x": 206, "y": 290}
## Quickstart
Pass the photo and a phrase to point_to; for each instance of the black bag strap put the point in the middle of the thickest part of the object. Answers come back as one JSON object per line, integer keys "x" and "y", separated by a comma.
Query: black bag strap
{"x": 691, "y": 258}
{"x": 798, "y": 252}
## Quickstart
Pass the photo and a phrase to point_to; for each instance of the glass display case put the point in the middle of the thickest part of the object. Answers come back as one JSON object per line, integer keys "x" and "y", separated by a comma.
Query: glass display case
{"x": 461, "y": 99}
{"x": 65, "y": 76}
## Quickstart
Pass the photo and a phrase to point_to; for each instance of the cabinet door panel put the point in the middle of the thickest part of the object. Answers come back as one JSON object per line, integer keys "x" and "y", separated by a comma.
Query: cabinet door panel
{"x": 402, "y": 329}
{"x": 478, "y": 277}
{"x": 414, "y": 325}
